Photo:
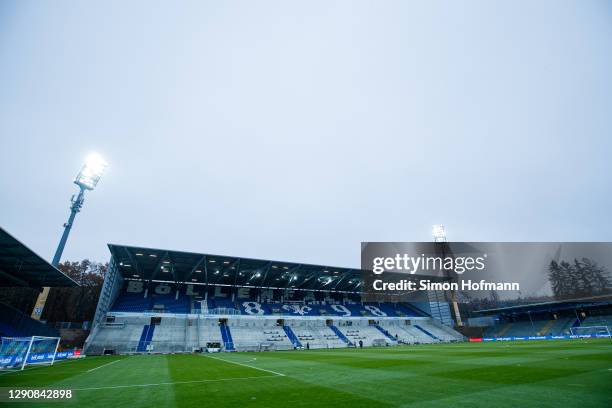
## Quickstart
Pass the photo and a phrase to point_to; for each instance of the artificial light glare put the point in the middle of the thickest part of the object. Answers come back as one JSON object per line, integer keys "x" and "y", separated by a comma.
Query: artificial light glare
{"x": 92, "y": 171}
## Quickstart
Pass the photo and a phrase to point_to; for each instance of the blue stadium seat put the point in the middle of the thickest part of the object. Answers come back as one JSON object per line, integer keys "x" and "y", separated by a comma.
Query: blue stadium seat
{"x": 131, "y": 302}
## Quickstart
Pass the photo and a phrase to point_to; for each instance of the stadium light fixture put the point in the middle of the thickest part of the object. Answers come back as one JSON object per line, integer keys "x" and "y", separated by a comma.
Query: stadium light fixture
{"x": 87, "y": 179}
{"x": 439, "y": 233}
{"x": 91, "y": 172}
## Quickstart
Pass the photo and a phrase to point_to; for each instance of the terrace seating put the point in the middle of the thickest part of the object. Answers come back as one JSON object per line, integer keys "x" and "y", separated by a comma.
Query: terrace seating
{"x": 604, "y": 320}
{"x": 536, "y": 327}
{"x": 131, "y": 302}
{"x": 409, "y": 334}
{"x": 14, "y": 323}
{"x": 169, "y": 303}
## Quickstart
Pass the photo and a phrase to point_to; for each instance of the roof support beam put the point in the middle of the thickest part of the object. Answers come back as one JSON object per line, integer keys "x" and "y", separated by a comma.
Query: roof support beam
{"x": 206, "y": 269}
{"x": 344, "y": 275}
{"x": 236, "y": 267}
{"x": 195, "y": 268}
{"x": 133, "y": 261}
{"x": 263, "y": 280}
{"x": 158, "y": 266}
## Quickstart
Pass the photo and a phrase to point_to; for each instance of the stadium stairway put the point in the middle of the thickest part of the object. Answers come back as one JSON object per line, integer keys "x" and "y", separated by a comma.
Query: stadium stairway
{"x": 561, "y": 325}
{"x": 146, "y": 337}
{"x": 340, "y": 335}
{"x": 427, "y": 333}
{"x": 292, "y": 337}
{"x": 226, "y": 335}
{"x": 546, "y": 328}
{"x": 504, "y": 330}
{"x": 386, "y": 333}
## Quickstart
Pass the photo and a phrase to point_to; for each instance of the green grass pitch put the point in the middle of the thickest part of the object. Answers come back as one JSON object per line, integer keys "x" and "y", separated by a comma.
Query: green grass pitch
{"x": 519, "y": 374}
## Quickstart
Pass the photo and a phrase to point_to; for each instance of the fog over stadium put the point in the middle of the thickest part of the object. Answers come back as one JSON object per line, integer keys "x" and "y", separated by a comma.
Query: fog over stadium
{"x": 295, "y": 131}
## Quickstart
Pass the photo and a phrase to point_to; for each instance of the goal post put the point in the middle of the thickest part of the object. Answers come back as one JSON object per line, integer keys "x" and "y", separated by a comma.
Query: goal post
{"x": 18, "y": 352}
{"x": 591, "y": 331}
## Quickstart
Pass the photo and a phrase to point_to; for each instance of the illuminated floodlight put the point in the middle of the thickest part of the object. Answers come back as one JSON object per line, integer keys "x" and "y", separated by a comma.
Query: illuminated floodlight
{"x": 91, "y": 172}
{"x": 87, "y": 179}
{"x": 439, "y": 233}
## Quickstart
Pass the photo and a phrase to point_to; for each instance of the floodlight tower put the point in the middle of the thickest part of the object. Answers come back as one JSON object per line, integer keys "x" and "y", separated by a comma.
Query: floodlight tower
{"x": 439, "y": 236}
{"x": 87, "y": 179}
{"x": 439, "y": 233}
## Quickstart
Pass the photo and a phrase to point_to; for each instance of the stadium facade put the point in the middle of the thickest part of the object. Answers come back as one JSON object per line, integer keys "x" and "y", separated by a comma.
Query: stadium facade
{"x": 166, "y": 301}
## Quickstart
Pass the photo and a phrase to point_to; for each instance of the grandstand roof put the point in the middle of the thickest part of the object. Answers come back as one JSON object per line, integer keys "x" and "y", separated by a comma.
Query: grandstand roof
{"x": 188, "y": 267}
{"x": 551, "y": 306}
{"x": 20, "y": 266}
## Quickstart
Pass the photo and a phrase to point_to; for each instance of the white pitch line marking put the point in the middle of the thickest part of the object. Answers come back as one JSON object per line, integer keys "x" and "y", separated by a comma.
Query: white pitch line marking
{"x": 245, "y": 365}
{"x": 171, "y": 383}
{"x": 103, "y": 365}
{"x": 32, "y": 367}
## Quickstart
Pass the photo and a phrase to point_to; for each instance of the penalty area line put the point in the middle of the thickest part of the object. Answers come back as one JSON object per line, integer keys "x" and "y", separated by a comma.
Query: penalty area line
{"x": 246, "y": 365}
{"x": 103, "y": 365}
{"x": 110, "y": 387}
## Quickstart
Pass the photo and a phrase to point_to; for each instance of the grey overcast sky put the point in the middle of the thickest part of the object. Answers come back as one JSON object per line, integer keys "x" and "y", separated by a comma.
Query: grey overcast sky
{"x": 295, "y": 130}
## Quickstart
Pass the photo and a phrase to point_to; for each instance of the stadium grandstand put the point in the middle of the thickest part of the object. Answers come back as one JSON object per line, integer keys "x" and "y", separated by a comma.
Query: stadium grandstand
{"x": 547, "y": 319}
{"x": 24, "y": 340}
{"x": 166, "y": 301}
{"x": 21, "y": 267}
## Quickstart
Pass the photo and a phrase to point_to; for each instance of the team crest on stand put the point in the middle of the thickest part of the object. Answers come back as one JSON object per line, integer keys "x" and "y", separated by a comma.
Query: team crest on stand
{"x": 297, "y": 309}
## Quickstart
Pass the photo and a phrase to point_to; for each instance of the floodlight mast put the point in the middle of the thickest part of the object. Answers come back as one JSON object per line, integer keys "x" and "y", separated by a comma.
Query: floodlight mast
{"x": 439, "y": 233}
{"x": 439, "y": 236}
{"x": 87, "y": 179}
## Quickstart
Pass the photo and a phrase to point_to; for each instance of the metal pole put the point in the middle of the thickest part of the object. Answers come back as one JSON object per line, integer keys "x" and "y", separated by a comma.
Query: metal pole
{"x": 55, "y": 351}
{"x": 74, "y": 209}
{"x": 25, "y": 360}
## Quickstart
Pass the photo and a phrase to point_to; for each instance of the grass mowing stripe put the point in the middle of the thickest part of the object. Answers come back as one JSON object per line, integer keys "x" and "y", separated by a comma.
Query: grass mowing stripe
{"x": 173, "y": 383}
{"x": 574, "y": 374}
{"x": 246, "y": 365}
